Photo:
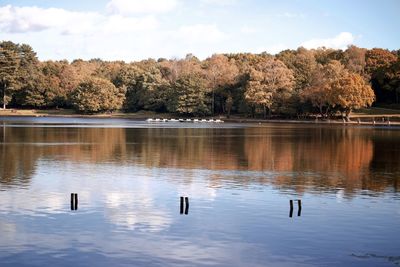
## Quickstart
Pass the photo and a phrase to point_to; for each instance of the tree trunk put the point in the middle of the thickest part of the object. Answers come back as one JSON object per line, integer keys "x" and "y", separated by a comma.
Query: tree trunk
{"x": 327, "y": 112}
{"x": 348, "y": 114}
{"x": 265, "y": 112}
{"x": 4, "y": 96}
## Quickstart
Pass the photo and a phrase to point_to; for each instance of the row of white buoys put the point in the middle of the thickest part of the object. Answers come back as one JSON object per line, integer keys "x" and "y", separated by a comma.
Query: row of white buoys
{"x": 183, "y": 120}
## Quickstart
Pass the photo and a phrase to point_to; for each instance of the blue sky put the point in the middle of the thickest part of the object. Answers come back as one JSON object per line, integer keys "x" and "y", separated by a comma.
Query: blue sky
{"x": 138, "y": 29}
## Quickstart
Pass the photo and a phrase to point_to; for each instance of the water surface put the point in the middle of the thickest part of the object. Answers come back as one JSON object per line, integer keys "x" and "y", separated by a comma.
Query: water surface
{"x": 239, "y": 178}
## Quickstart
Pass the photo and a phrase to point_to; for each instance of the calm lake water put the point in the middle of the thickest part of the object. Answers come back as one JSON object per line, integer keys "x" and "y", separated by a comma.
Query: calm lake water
{"x": 239, "y": 179}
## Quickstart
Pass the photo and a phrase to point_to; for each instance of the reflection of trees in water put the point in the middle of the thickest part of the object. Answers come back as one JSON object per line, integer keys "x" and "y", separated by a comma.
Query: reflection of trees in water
{"x": 341, "y": 156}
{"x": 17, "y": 162}
{"x": 386, "y": 158}
{"x": 23, "y": 147}
{"x": 321, "y": 157}
{"x": 186, "y": 148}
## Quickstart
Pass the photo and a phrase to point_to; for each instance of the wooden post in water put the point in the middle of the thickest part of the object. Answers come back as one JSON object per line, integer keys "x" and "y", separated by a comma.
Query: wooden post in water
{"x": 74, "y": 201}
{"x": 181, "y": 210}
{"x": 291, "y": 208}
{"x": 299, "y": 204}
{"x": 187, "y": 205}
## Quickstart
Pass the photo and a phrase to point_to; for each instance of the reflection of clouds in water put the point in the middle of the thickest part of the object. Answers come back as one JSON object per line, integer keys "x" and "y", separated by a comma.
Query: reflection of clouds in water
{"x": 195, "y": 190}
{"x": 127, "y": 210}
{"x": 7, "y": 230}
{"x": 339, "y": 195}
{"x": 156, "y": 250}
{"x": 126, "y": 202}
{"x": 135, "y": 212}
{"x": 35, "y": 204}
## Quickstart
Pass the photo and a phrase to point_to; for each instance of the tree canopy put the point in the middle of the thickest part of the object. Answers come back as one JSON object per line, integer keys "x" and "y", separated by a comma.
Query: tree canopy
{"x": 97, "y": 95}
{"x": 297, "y": 82}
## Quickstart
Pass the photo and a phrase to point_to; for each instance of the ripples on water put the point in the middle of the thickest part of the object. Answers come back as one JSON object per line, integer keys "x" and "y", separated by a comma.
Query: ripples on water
{"x": 239, "y": 179}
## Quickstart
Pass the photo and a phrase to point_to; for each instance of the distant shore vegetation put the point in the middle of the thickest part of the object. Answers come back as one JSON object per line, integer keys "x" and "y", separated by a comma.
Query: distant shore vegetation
{"x": 292, "y": 83}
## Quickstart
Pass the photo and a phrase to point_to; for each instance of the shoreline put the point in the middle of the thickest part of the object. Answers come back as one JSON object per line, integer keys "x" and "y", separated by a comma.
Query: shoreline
{"x": 357, "y": 120}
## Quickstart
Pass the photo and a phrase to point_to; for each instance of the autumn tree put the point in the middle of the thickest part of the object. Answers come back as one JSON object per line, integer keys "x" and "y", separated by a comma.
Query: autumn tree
{"x": 325, "y": 55}
{"x": 267, "y": 80}
{"x": 303, "y": 64}
{"x": 108, "y": 70}
{"x": 222, "y": 74}
{"x": 97, "y": 95}
{"x": 378, "y": 59}
{"x": 334, "y": 88}
{"x": 320, "y": 93}
{"x": 351, "y": 92}
{"x": 354, "y": 59}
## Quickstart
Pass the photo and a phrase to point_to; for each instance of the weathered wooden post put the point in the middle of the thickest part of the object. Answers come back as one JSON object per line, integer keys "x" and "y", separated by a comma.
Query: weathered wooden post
{"x": 187, "y": 205}
{"x": 181, "y": 210}
{"x": 299, "y": 204}
{"x": 291, "y": 208}
{"x": 74, "y": 201}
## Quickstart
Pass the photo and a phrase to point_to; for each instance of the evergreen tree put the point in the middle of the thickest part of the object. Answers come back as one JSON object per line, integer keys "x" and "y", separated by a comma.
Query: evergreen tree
{"x": 188, "y": 96}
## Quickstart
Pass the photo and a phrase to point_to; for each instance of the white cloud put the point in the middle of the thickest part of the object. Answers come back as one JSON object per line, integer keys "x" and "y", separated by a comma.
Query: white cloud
{"x": 118, "y": 24}
{"x": 128, "y": 7}
{"x": 199, "y": 33}
{"x": 34, "y": 19}
{"x": 340, "y": 41}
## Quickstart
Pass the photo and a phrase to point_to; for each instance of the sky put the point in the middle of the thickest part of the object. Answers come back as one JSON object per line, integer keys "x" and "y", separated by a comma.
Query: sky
{"x": 133, "y": 30}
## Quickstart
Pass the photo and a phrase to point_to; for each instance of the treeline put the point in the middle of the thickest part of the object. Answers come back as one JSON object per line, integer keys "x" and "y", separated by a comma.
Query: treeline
{"x": 292, "y": 83}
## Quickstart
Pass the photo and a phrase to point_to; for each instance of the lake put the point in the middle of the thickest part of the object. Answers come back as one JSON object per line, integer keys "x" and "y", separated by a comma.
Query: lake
{"x": 239, "y": 180}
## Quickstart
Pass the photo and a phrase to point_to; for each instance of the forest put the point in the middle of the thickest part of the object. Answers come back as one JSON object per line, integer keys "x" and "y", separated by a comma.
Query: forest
{"x": 293, "y": 83}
